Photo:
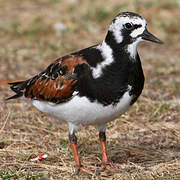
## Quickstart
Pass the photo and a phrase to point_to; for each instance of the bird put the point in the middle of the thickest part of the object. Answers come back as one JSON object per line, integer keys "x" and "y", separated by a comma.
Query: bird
{"x": 92, "y": 86}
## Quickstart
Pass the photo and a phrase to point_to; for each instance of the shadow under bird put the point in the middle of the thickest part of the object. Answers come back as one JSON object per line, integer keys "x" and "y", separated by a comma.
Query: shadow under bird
{"x": 92, "y": 86}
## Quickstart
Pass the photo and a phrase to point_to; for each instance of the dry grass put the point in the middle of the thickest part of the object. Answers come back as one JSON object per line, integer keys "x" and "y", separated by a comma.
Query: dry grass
{"x": 144, "y": 143}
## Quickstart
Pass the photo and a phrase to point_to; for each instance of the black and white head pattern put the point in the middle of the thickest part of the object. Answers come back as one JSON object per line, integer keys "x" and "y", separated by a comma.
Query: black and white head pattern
{"x": 124, "y": 32}
{"x": 127, "y": 27}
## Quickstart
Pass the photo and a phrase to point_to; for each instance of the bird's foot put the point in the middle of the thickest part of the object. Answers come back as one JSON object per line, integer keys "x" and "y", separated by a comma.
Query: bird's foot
{"x": 81, "y": 168}
{"x": 106, "y": 166}
{"x": 101, "y": 168}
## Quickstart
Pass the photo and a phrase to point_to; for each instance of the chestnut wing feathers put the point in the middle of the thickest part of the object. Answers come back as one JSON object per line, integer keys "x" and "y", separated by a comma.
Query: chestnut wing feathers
{"x": 56, "y": 84}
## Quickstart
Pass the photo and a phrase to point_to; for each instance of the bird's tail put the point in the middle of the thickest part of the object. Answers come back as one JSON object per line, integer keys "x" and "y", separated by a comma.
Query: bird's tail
{"x": 18, "y": 88}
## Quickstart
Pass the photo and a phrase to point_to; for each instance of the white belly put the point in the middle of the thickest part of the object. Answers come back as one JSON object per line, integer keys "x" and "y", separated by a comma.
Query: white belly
{"x": 79, "y": 111}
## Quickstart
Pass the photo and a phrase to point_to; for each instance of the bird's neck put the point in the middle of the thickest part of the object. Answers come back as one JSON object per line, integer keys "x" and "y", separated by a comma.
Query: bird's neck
{"x": 125, "y": 48}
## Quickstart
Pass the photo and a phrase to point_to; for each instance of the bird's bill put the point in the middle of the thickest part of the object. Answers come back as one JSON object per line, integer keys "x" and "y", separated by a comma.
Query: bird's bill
{"x": 150, "y": 37}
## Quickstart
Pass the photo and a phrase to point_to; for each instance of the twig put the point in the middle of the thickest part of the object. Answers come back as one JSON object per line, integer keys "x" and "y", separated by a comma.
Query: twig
{"x": 5, "y": 122}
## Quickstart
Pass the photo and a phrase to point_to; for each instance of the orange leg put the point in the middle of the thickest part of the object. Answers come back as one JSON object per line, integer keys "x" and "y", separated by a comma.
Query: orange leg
{"x": 79, "y": 167}
{"x": 75, "y": 153}
{"x": 105, "y": 165}
{"x": 102, "y": 138}
{"x": 73, "y": 143}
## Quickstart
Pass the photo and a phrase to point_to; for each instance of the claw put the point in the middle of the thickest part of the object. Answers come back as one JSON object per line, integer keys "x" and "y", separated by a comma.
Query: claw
{"x": 80, "y": 168}
{"x": 106, "y": 166}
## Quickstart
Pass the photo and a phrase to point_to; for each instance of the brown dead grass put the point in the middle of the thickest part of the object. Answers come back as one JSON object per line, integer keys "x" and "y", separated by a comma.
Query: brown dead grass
{"x": 143, "y": 143}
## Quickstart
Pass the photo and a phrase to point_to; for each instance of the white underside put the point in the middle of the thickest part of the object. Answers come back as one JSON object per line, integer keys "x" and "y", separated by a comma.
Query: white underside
{"x": 79, "y": 111}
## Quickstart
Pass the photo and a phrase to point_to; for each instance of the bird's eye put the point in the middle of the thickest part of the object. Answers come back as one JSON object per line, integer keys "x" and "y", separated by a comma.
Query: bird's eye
{"x": 128, "y": 26}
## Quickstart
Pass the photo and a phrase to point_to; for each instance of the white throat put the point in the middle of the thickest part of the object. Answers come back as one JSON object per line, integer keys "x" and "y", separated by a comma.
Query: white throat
{"x": 132, "y": 48}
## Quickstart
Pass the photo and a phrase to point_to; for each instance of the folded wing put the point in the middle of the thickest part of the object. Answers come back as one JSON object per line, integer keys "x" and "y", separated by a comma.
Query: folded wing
{"x": 56, "y": 84}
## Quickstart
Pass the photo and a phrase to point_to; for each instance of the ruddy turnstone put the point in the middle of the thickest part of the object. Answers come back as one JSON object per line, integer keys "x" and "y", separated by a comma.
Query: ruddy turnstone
{"x": 95, "y": 85}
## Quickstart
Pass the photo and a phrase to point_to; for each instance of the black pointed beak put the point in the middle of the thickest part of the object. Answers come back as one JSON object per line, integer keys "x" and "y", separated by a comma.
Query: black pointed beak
{"x": 150, "y": 37}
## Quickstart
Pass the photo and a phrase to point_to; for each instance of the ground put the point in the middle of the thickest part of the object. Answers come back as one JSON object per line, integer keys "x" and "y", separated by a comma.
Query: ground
{"x": 144, "y": 143}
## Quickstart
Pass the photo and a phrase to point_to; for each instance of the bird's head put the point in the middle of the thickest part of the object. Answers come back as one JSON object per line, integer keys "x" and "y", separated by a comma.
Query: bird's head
{"x": 128, "y": 28}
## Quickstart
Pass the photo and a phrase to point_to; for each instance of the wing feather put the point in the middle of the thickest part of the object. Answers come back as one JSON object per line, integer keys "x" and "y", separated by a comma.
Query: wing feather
{"x": 56, "y": 84}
